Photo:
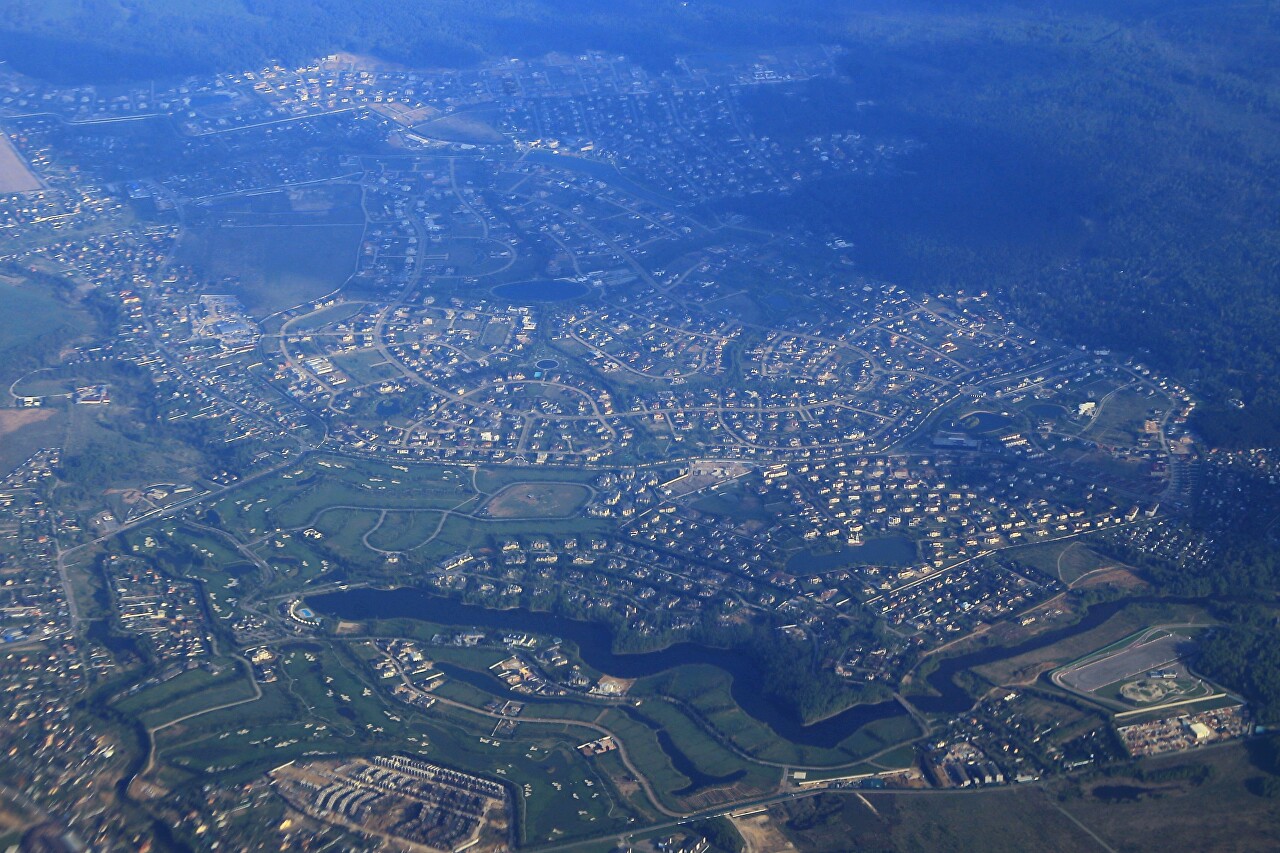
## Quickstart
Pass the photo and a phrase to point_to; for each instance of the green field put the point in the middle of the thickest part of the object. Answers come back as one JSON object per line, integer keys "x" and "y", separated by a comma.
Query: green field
{"x": 402, "y": 531}
{"x": 1121, "y": 415}
{"x": 1069, "y": 561}
{"x": 48, "y": 324}
{"x": 366, "y": 367}
{"x": 295, "y": 498}
{"x": 989, "y": 820}
{"x": 1181, "y": 815}
{"x": 332, "y": 314}
{"x": 24, "y": 431}
{"x": 472, "y": 126}
{"x": 537, "y": 500}
{"x": 703, "y": 694}
{"x": 274, "y": 267}
{"x": 320, "y": 204}
{"x": 41, "y": 310}
{"x": 191, "y": 693}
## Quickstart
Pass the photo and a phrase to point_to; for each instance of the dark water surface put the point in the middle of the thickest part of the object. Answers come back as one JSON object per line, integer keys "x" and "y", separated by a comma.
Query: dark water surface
{"x": 884, "y": 551}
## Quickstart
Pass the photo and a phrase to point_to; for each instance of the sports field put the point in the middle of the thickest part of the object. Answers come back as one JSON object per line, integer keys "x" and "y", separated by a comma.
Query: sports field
{"x": 1140, "y": 657}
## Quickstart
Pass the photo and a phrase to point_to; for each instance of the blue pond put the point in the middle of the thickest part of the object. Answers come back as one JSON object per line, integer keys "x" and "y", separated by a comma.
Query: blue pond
{"x": 885, "y": 551}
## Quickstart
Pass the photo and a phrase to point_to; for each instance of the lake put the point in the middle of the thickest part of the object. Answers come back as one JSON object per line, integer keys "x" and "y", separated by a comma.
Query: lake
{"x": 885, "y": 551}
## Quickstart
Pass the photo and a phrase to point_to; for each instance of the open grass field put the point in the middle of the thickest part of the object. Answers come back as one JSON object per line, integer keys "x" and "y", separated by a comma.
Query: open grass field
{"x": 1137, "y": 814}
{"x": 295, "y": 498}
{"x": 470, "y": 127}
{"x": 703, "y": 694}
{"x": 537, "y": 500}
{"x": 493, "y": 479}
{"x": 1121, "y": 415}
{"x": 15, "y": 177}
{"x": 188, "y": 683}
{"x": 311, "y": 321}
{"x": 403, "y": 531}
{"x": 331, "y": 204}
{"x": 24, "y": 431}
{"x": 366, "y": 366}
{"x": 45, "y": 317}
{"x": 1071, "y": 561}
{"x": 271, "y": 268}
{"x": 345, "y": 528}
{"x": 991, "y": 820}
{"x": 189, "y": 693}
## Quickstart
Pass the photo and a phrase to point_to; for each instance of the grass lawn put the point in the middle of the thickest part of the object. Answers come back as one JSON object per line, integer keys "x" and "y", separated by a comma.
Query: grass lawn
{"x": 473, "y": 126}
{"x": 274, "y": 268}
{"x": 325, "y": 316}
{"x": 537, "y": 500}
{"x": 15, "y": 177}
{"x": 366, "y": 366}
{"x": 345, "y": 528}
{"x": 188, "y": 683}
{"x": 46, "y": 322}
{"x": 703, "y": 693}
{"x": 189, "y": 693}
{"x": 401, "y": 531}
{"x": 1068, "y": 560}
{"x": 24, "y": 431}
{"x": 1012, "y": 820}
{"x": 1121, "y": 416}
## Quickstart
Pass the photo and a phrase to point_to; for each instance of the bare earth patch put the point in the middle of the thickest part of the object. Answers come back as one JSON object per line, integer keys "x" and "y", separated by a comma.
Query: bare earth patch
{"x": 15, "y": 177}
{"x": 615, "y": 686}
{"x": 760, "y": 834}
{"x": 12, "y": 420}
{"x": 1116, "y": 577}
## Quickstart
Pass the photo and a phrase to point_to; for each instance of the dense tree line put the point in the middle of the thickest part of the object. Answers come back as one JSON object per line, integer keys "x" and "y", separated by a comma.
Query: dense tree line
{"x": 93, "y": 39}
{"x": 1246, "y": 656}
{"x": 793, "y": 678}
{"x": 720, "y": 833}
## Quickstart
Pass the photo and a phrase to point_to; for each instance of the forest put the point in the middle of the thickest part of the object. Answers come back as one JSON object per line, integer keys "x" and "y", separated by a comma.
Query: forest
{"x": 101, "y": 41}
{"x": 1112, "y": 175}
{"x": 1245, "y": 655}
